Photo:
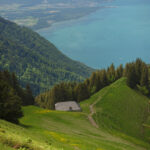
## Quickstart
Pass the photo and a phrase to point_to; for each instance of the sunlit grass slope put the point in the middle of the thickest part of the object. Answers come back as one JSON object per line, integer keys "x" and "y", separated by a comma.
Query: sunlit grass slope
{"x": 51, "y": 130}
{"x": 4, "y": 147}
{"x": 55, "y": 130}
{"x": 20, "y": 137}
{"x": 123, "y": 108}
{"x": 120, "y": 108}
{"x": 69, "y": 130}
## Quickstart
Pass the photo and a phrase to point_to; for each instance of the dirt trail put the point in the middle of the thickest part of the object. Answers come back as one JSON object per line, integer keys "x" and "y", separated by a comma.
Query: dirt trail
{"x": 92, "y": 111}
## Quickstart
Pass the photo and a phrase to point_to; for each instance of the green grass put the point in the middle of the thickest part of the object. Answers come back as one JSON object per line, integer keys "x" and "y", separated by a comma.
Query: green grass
{"x": 4, "y": 147}
{"x": 55, "y": 130}
{"x": 122, "y": 108}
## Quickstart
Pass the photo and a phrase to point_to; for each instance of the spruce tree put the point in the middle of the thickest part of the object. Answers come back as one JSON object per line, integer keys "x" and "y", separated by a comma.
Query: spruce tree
{"x": 82, "y": 92}
{"x": 144, "y": 76}
{"x": 130, "y": 74}
{"x": 111, "y": 73}
{"x": 119, "y": 72}
{"x": 10, "y": 103}
{"x": 138, "y": 69}
{"x": 28, "y": 99}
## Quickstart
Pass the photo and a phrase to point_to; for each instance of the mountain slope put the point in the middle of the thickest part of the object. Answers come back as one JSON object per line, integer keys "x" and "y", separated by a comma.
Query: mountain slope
{"x": 43, "y": 129}
{"x": 73, "y": 130}
{"x": 35, "y": 60}
{"x": 120, "y": 108}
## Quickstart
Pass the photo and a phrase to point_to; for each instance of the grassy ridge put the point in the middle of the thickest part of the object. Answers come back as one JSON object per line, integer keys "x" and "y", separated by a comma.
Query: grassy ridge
{"x": 43, "y": 129}
{"x": 123, "y": 109}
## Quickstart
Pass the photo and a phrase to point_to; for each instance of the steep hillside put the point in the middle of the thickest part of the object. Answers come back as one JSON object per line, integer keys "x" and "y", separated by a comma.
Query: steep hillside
{"x": 43, "y": 129}
{"x": 35, "y": 60}
{"x": 120, "y": 108}
{"x": 120, "y": 114}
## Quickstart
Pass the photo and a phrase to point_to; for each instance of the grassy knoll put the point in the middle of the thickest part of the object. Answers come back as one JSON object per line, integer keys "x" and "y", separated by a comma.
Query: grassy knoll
{"x": 123, "y": 109}
{"x": 55, "y": 130}
{"x": 120, "y": 108}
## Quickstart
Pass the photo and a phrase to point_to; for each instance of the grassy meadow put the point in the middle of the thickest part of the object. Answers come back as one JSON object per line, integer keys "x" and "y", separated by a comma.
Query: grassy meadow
{"x": 119, "y": 114}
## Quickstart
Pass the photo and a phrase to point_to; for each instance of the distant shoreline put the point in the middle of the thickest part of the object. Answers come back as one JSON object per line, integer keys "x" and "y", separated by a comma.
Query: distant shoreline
{"x": 60, "y": 22}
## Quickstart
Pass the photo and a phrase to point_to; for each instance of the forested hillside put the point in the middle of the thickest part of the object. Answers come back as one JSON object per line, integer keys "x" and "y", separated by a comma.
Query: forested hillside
{"x": 121, "y": 113}
{"x": 137, "y": 78}
{"x": 35, "y": 60}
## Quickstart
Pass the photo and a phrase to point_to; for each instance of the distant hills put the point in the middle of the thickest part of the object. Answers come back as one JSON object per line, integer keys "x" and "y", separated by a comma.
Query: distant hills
{"x": 35, "y": 60}
{"x": 39, "y": 14}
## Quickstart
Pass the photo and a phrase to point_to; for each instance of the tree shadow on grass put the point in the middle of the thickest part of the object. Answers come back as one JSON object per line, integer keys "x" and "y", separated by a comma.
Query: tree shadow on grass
{"x": 25, "y": 126}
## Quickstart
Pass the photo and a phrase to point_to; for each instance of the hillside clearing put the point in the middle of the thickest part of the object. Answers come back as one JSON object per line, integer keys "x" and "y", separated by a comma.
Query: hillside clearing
{"x": 43, "y": 129}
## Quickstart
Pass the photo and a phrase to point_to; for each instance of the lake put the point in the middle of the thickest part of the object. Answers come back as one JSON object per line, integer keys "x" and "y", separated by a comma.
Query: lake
{"x": 117, "y": 33}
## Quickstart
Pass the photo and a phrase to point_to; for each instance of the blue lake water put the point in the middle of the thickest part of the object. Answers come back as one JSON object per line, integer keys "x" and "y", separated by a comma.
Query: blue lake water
{"x": 117, "y": 34}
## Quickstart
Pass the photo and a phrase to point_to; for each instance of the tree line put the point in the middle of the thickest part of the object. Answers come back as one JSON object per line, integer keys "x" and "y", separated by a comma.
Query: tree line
{"x": 12, "y": 97}
{"x": 137, "y": 75}
{"x": 68, "y": 91}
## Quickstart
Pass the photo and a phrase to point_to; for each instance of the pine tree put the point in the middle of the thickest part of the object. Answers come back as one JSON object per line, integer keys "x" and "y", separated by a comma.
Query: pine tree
{"x": 10, "y": 103}
{"x": 14, "y": 81}
{"x": 130, "y": 74}
{"x": 111, "y": 73}
{"x": 104, "y": 79}
{"x": 144, "y": 76}
{"x": 119, "y": 72}
{"x": 28, "y": 99}
{"x": 82, "y": 92}
{"x": 138, "y": 69}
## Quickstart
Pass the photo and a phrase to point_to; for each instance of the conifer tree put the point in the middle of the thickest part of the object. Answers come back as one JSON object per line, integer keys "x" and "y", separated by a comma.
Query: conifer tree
{"x": 82, "y": 92}
{"x": 119, "y": 72}
{"x": 28, "y": 99}
{"x": 111, "y": 73}
{"x": 10, "y": 103}
{"x": 14, "y": 81}
{"x": 130, "y": 74}
{"x": 138, "y": 69}
{"x": 104, "y": 79}
{"x": 144, "y": 76}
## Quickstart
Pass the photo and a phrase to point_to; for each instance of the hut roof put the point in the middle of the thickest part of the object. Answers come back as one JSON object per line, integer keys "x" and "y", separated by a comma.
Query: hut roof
{"x": 67, "y": 106}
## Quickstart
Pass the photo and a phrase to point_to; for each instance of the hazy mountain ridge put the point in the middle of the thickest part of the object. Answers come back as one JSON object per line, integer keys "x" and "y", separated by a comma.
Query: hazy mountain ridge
{"x": 35, "y": 60}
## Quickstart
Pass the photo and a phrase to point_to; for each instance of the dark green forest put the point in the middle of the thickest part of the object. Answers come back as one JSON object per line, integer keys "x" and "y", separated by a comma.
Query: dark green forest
{"x": 137, "y": 75}
{"x": 12, "y": 97}
{"x": 35, "y": 60}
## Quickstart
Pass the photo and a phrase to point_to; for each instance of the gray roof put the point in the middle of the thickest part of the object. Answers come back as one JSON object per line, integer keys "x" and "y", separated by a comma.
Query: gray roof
{"x": 68, "y": 106}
